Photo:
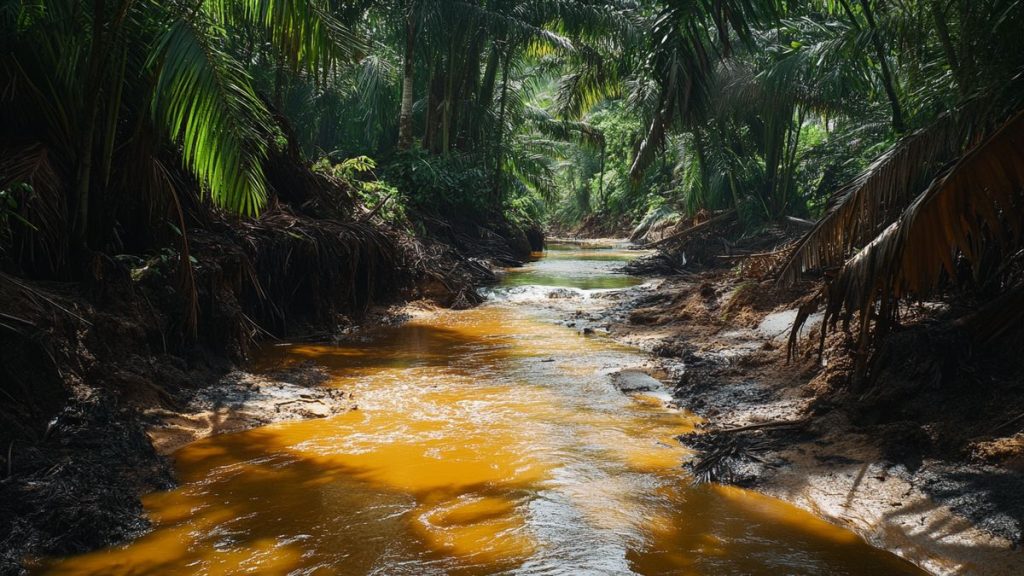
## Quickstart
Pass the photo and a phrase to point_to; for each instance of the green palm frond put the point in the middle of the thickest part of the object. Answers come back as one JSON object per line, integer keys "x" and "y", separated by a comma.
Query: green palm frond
{"x": 589, "y": 82}
{"x": 533, "y": 161}
{"x": 205, "y": 101}
{"x": 378, "y": 90}
{"x": 304, "y": 31}
{"x": 566, "y": 130}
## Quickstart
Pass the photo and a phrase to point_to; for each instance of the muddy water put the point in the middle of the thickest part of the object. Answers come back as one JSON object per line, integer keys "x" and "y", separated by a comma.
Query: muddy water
{"x": 488, "y": 441}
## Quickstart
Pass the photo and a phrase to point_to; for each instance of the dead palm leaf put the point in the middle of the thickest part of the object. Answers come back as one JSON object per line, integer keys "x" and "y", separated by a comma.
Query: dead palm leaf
{"x": 974, "y": 206}
{"x": 860, "y": 210}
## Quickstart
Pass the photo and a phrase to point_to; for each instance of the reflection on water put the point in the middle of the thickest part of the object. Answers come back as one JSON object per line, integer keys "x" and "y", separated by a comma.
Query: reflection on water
{"x": 487, "y": 441}
{"x": 587, "y": 269}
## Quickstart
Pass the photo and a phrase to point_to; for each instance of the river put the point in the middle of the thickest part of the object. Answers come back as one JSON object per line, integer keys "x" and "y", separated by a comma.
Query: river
{"x": 487, "y": 441}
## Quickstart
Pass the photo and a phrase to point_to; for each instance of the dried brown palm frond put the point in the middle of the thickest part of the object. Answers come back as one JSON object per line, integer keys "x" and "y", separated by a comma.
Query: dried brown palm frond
{"x": 860, "y": 210}
{"x": 975, "y": 206}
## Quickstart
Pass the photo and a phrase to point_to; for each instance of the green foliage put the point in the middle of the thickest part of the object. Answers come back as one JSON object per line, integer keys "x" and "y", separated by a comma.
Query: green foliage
{"x": 764, "y": 107}
{"x": 447, "y": 186}
{"x": 204, "y": 100}
{"x": 9, "y": 210}
{"x": 382, "y": 198}
{"x": 111, "y": 110}
{"x": 514, "y": 111}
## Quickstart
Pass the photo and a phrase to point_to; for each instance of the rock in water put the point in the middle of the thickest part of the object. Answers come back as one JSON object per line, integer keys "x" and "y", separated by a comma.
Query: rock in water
{"x": 631, "y": 381}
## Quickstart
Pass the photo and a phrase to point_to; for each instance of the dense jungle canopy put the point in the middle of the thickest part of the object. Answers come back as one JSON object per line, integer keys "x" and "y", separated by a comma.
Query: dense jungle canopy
{"x": 894, "y": 124}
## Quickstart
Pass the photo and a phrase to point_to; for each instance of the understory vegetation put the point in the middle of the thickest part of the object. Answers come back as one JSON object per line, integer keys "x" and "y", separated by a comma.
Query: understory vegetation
{"x": 124, "y": 121}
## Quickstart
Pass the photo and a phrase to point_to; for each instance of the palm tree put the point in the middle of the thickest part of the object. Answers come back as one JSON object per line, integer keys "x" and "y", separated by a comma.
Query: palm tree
{"x": 945, "y": 204}
{"x": 463, "y": 65}
{"x": 409, "y": 13}
{"x": 103, "y": 99}
{"x": 687, "y": 39}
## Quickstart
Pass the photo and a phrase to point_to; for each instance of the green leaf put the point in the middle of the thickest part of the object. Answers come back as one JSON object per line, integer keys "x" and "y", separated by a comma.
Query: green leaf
{"x": 205, "y": 100}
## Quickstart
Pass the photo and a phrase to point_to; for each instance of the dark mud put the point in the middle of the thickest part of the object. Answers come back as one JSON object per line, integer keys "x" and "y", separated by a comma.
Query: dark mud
{"x": 243, "y": 400}
{"x": 923, "y": 458}
{"x": 75, "y": 489}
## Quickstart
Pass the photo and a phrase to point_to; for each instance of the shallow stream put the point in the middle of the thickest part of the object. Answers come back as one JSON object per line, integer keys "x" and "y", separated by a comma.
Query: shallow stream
{"x": 487, "y": 441}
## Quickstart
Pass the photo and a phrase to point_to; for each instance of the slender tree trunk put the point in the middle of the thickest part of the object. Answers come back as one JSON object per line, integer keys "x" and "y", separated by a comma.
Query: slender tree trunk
{"x": 487, "y": 84}
{"x": 942, "y": 27}
{"x": 702, "y": 169}
{"x": 90, "y": 109}
{"x": 789, "y": 166}
{"x": 774, "y": 158}
{"x": 501, "y": 123}
{"x": 405, "y": 117}
{"x": 432, "y": 122}
{"x": 888, "y": 82}
{"x": 446, "y": 110}
{"x": 600, "y": 182}
{"x": 486, "y": 95}
{"x": 468, "y": 87}
{"x": 83, "y": 178}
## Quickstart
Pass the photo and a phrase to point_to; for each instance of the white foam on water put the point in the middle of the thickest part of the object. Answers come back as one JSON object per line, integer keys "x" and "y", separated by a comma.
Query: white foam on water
{"x": 538, "y": 293}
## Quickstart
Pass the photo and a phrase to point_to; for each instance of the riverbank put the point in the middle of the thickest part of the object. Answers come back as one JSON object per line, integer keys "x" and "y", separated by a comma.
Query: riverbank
{"x": 918, "y": 462}
{"x": 717, "y": 338}
{"x": 103, "y": 377}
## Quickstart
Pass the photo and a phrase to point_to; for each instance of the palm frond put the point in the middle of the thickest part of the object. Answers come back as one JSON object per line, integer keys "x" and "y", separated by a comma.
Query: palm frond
{"x": 976, "y": 204}
{"x": 205, "y": 100}
{"x": 304, "y": 31}
{"x": 567, "y": 130}
{"x": 377, "y": 83}
{"x": 588, "y": 83}
{"x": 858, "y": 211}
{"x": 42, "y": 205}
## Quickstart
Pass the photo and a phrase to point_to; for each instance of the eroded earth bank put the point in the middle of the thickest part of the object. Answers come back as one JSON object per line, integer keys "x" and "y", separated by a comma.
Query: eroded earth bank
{"x": 922, "y": 458}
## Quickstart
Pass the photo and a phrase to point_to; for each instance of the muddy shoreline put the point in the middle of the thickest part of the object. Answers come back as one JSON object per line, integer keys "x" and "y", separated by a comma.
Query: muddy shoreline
{"x": 722, "y": 353}
{"x": 784, "y": 429}
{"x": 101, "y": 380}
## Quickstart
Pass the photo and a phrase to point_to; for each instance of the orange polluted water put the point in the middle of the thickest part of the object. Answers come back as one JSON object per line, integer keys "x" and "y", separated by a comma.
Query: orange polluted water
{"x": 488, "y": 441}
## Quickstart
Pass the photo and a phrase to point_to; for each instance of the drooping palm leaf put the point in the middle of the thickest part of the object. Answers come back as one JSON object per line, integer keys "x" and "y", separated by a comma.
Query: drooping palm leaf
{"x": 976, "y": 204}
{"x": 857, "y": 212}
{"x": 590, "y": 81}
{"x": 205, "y": 100}
{"x": 376, "y": 83}
{"x": 567, "y": 130}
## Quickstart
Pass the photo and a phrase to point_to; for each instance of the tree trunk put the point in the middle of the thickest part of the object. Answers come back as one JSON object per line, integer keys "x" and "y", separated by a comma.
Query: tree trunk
{"x": 942, "y": 27}
{"x": 405, "y": 117}
{"x": 501, "y": 124}
{"x": 462, "y": 119}
{"x": 789, "y": 165}
{"x": 446, "y": 110}
{"x": 90, "y": 109}
{"x": 487, "y": 84}
{"x": 432, "y": 122}
{"x": 888, "y": 82}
